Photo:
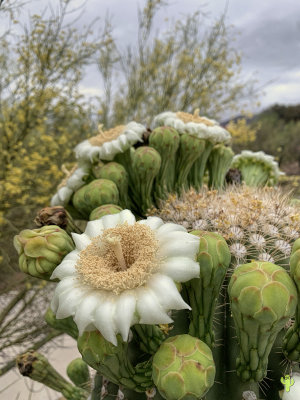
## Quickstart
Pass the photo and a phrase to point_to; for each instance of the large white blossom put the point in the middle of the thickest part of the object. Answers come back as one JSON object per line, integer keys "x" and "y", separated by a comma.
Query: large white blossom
{"x": 204, "y": 128}
{"x": 107, "y": 144}
{"x": 99, "y": 293}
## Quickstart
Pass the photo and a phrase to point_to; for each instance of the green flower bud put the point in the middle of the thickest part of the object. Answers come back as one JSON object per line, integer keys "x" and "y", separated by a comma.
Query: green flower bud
{"x": 165, "y": 140}
{"x": 78, "y": 372}
{"x": 95, "y": 194}
{"x": 291, "y": 342}
{"x": 65, "y": 325}
{"x": 219, "y": 163}
{"x": 146, "y": 163}
{"x": 214, "y": 259}
{"x": 42, "y": 250}
{"x": 263, "y": 298}
{"x": 183, "y": 368}
{"x": 117, "y": 173}
{"x": 107, "y": 209}
{"x": 36, "y": 367}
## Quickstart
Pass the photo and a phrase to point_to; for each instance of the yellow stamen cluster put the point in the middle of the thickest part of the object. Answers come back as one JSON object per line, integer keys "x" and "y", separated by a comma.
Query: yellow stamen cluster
{"x": 107, "y": 136}
{"x": 186, "y": 117}
{"x": 121, "y": 258}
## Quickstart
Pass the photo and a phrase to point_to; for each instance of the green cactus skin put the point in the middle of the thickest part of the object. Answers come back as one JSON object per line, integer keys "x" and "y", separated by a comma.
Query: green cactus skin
{"x": 107, "y": 209}
{"x": 262, "y": 297}
{"x": 146, "y": 163}
{"x": 190, "y": 149}
{"x": 214, "y": 259}
{"x": 37, "y": 367}
{"x": 79, "y": 374}
{"x": 65, "y": 325}
{"x": 117, "y": 173}
{"x": 149, "y": 337}
{"x": 218, "y": 164}
{"x": 183, "y": 368}
{"x": 166, "y": 141}
{"x": 95, "y": 194}
{"x": 41, "y": 250}
{"x": 254, "y": 173}
{"x": 291, "y": 342}
{"x": 113, "y": 362}
{"x": 195, "y": 176}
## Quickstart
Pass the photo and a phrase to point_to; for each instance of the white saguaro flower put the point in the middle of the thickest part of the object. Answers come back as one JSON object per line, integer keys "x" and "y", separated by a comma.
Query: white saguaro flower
{"x": 123, "y": 272}
{"x": 107, "y": 144}
{"x": 195, "y": 125}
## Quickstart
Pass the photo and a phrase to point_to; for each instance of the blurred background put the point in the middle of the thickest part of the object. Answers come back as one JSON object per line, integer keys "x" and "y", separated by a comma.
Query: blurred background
{"x": 68, "y": 65}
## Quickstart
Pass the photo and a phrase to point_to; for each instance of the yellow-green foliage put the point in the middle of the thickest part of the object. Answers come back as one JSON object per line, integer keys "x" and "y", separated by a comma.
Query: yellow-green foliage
{"x": 242, "y": 133}
{"x": 42, "y": 115}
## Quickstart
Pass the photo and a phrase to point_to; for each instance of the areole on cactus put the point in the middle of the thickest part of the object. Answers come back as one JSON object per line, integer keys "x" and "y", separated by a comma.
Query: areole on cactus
{"x": 144, "y": 289}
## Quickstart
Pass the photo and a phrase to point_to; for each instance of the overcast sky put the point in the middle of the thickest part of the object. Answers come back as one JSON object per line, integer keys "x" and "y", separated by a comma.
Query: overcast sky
{"x": 268, "y": 34}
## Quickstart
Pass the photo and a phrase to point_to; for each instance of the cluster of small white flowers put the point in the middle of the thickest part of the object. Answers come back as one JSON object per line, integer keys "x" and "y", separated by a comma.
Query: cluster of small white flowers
{"x": 259, "y": 156}
{"x": 74, "y": 182}
{"x": 215, "y": 133}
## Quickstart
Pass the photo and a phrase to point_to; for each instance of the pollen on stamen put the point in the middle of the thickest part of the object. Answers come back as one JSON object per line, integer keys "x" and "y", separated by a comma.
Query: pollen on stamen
{"x": 98, "y": 265}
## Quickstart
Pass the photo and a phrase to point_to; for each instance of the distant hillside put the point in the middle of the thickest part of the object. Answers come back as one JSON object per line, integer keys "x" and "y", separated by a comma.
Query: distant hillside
{"x": 278, "y": 134}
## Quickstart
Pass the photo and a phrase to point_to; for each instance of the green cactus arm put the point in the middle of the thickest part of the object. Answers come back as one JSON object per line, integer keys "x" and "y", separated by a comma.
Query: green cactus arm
{"x": 35, "y": 366}
{"x": 219, "y": 162}
{"x": 196, "y": 174}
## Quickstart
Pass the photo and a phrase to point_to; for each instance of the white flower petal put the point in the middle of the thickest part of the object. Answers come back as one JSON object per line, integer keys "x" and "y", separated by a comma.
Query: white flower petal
{"x": 69, "y": 300}
{"x": 110, "y": 221}
{"x": 81, "y": 241}
{"x": 72, "y": 256}
{"x": 104, "y": 320}
{"x": 125, "y": 308}
{"x": 94, "y": 228}
{"x": 66, "y": 284}
{"x": 149, "y": 309}
{"x": 64, "y": 269}
{"x": 167, "y": 292}
{"x": 179, "y": 244}
{"x": 180, "y": 269}
{"x": 84, "y": 315}
{"x": 153, "y": 222}
{"x": 164, "y": 230}
{"x": 127, "y": 216}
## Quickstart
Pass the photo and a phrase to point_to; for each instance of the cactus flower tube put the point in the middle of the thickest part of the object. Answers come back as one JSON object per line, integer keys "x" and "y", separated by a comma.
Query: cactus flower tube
{"x": 183, "y": 368}
{"x": 122, "y": 273}
{"x": 218, "y": 164}
{"x": 146, "y": 163}
{"x": 258, "y": 169}
{"x": 263, "y": 298}
{"x": 166, "y": 141}
{"x": 200, "y": 127}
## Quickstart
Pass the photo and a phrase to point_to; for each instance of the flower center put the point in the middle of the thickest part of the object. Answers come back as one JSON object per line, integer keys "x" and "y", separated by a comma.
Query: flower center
{"x": 186, "y": 117}
{"x": 121, "y": 258}
{"x": 107, "y": 136}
